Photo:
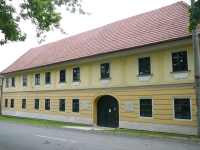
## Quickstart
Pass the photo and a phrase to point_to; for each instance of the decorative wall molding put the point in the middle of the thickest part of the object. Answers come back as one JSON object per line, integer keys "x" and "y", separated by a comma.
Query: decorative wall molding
{"x": 24, "y": 87}
{"x": 144, "y": 78}
{"x": 180, "y": 75}
{"x": 12, "y": 88}
{"x": 63, "y": 84}
{"x": 37, "y": 86}
{"x": 47, "y": 85}
{"x": 76, "y": 83}
{"x": 105, "y": 81}
{"x": 6, "y": 88}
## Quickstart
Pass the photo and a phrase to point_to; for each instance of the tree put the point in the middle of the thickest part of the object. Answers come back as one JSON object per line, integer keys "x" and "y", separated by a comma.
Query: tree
{"x": 42, "y": 14}
{"x": 194, "y": 16}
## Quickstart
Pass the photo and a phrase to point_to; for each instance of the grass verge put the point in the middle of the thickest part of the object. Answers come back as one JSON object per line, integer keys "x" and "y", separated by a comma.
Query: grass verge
{"x": 151, "y": 134}
{"x": 36, "y": 122}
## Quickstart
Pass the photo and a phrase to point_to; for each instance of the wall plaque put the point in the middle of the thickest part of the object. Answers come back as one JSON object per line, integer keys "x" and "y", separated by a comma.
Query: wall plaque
{"x": 129, "y": 106}
{"x": 85, "y": 105}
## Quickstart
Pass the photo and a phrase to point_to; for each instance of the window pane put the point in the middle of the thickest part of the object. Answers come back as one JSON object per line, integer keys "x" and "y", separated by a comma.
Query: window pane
{"x": 144, "y": 66}
{"x": 146, "y": 107}
{"x": 36, "y": 104}
{"x": 179, "y": 61}
{"x": 105, "y": 70}
{"x": 75, "y": 105}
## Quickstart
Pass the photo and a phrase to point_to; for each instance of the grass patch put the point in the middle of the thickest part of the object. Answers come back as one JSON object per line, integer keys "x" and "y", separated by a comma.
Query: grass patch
{"x": 36, "y": 122}
{"x": 151, "y": 134}
{"x": 47, "y": 142}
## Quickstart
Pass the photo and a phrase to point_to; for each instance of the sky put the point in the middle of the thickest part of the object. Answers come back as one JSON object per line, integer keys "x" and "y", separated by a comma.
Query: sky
{"x": 102, "y": 12}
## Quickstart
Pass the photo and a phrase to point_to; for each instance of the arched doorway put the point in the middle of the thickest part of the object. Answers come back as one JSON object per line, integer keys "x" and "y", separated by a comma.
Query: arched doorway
{"x": 107, "y": 112}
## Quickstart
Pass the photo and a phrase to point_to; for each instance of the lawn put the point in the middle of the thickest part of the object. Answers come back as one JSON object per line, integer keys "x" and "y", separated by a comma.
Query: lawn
{"x": 36, "y": 122}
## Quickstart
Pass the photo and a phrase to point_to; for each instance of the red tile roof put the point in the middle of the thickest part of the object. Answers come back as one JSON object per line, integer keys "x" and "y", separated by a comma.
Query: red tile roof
{"x": 160, "y": 25}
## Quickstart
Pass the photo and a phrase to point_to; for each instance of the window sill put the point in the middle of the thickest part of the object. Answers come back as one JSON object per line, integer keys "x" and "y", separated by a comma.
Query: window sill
{"x": 37, "y": 86}
{"x": 24, "y": 87}
{"x": 76, "y": 83}
{"x": 144, "y": 78}
{"x": 47, "y": 85}
{"x": 7, "y": 88}
{"x": 181, "y": 74}
{"x": 146, "y": 117}
{"x": 62, "y": 84}
{"x": 105, "y": 81}
{"x": 12, "y": 87}
{"x": 183, "y": 119}
{"x": 76, "y": 112}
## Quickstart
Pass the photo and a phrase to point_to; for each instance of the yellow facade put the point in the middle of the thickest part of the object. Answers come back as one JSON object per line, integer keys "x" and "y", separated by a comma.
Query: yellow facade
{"x": 124, "y": 85}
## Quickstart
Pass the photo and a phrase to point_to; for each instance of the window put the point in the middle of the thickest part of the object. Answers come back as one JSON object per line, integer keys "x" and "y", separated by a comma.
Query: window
{"x": 75, "y": 105}
{"x": 12, "y": 103}
{"x": 179, "y": 61}
{"x": 23, "y": 103}
{"x": 37, "y": 104}
{"x": 47, "y": 104}
{"x": 37, "y": 78}
{"x": 7, "y": 82}
{"x": 62, "y": 75}
{"x": 62, "y": 105}
{"x": 105, "y": 70}
{"x": 144, "y": 65}
{"x": 47, "y": 77}
{"x": 76, "y": 74}
{"x": 13, "y": 81}
{"x": 182, "y": 108}
{"x": 145, "y": 107}
{"x": 25, "y": 80}
{"x": 6, "y": 103}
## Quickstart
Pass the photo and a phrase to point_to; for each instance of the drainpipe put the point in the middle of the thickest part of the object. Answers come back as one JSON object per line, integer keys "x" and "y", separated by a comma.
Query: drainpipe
{"x": 197, "y": 71}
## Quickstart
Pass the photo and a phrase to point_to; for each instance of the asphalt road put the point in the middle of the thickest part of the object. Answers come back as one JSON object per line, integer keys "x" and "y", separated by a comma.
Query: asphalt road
{"x": 16, "y": 136}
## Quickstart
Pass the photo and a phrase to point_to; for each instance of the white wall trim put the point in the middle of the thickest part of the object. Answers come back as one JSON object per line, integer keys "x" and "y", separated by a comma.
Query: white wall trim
{"x": 188, "y": 130}
{"x": 67, "y": 119}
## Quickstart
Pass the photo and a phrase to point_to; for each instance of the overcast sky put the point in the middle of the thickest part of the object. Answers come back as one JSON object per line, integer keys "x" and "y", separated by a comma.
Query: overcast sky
{"x": 103, "y": 12}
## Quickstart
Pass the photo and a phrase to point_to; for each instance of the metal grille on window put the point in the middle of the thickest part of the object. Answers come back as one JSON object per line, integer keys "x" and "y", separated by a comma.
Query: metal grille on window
{"x": 47, "y": 104}
{"x": 23, "y": 103}
{"x": 47, "y": 77}
{"x": 62, "y": 75}
{"x": 12, "y": 103}
{"x": 182, "y": 108}
{"x": 36, "y": 104}
{"x": 25, "y": 80}
{"x": 7, "y": 82}
{"x": 179, "y": 61}
{"x": 75, "y": 107}
{"x": 105, "y": 70}
{"x": 76, "y": 74}
{"x": 146, "y": 107}
{"x": 13, "y": 81}
{"x": 62, "y": 105}
{"x": 144, "y": 66}
{"x": 37, "y": 78}
{"x": 6, "y": 103}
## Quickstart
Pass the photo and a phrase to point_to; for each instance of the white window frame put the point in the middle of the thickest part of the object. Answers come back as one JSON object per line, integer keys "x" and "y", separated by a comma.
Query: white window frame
{"x": 45, "y": 77}
{"x": 109, "y": 70}
{"x": 138, "y": 65}
{"x": 174, "y": 109}
{"x": 5, "y": 101}
{"x": 10, "y": 103}
{"x": 65, "y": 75}
{"x": 187, "y": 59}
{"x": 40, "y": 78}
{"x": 12, "y": 81}
{"x": 79, "y": 74}
{"x": 44, "y": 104}
{"x": 59, "y": 105}
{"x": 139, "y": 107}
{"x": 72, "y": 106}
{"x": 26, "y": 103}
{"x": 23, "y": 80}
{"x": 39, "y": 104}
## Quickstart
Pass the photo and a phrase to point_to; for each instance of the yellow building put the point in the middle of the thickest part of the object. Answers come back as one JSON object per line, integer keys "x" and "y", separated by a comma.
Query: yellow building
{"x": 135, "y": 73}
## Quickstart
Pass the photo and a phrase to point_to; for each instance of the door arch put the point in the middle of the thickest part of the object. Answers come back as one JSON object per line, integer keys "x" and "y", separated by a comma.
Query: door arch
{"x": 108, "y": 112}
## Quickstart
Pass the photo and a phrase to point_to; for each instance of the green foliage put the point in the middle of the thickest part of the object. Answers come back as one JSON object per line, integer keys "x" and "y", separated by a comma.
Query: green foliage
{"x": 47, "y": 142}
{"x": 42, "y": 14}
{"x": 194, "y": 16}
{"x": 37, "y": 122}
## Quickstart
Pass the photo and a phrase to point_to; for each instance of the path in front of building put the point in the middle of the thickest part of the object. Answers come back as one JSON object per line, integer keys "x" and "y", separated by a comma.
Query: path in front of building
{"x": 17, "y": 136}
